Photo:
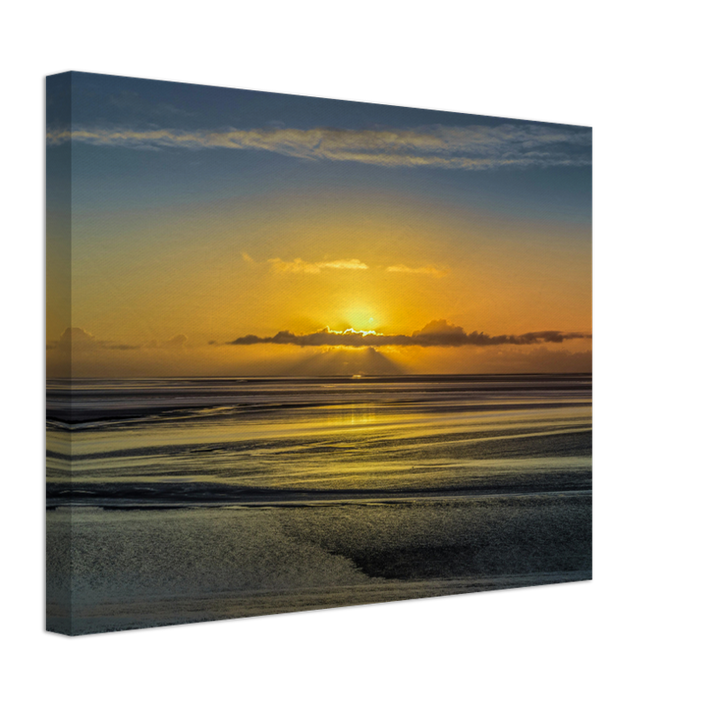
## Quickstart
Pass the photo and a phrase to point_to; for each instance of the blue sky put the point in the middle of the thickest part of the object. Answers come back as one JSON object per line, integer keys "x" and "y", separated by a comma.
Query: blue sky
{"x": 210, "y": 214}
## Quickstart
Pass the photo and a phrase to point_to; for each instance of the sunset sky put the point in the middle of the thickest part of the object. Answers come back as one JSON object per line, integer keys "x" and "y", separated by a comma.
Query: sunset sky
{"x": 227, "y": 232}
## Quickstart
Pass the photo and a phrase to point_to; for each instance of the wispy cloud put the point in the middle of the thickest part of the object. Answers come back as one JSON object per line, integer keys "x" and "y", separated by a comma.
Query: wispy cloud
{"x": 78, "y": 339}
{"x": 436, "y": 333}
{"x": 469, "y": 148}
{"x": 427, "y": 270}
{"x": 298, "y": 265}
{"x": 301, "y": 266}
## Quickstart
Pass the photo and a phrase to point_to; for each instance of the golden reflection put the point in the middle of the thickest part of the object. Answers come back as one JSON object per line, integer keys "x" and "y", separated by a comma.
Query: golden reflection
{"x": 354, "y": 415}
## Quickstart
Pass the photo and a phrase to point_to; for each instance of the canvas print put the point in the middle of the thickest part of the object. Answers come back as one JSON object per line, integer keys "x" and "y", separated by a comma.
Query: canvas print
{"x": 307, "y": 353}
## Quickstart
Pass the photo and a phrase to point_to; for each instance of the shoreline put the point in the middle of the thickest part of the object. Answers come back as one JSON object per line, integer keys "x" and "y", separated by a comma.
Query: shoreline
{"x": 329, "y": 499}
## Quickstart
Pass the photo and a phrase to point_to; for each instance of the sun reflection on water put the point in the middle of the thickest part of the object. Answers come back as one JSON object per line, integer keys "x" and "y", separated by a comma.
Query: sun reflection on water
{"x": 354, "y": 415}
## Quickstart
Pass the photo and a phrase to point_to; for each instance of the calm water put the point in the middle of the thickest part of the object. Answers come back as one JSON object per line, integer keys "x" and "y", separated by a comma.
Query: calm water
{"x": 196, "y": 499}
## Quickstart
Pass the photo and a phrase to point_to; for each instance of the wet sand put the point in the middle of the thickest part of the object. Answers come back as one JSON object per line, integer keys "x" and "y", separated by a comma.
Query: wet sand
{"x": 141, "y": 568}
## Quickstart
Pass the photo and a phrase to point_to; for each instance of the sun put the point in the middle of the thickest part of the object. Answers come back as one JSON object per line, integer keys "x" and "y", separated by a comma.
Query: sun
{"x": 361, "y": 318}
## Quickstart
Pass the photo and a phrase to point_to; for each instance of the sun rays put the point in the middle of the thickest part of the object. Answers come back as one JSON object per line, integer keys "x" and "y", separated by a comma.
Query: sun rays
{"x": 332, "y": 231}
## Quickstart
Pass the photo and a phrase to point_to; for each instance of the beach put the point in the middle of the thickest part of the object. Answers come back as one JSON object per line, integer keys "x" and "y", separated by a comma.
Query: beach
{"x": 196, "y": 500}
{"x": 154, "y": 567}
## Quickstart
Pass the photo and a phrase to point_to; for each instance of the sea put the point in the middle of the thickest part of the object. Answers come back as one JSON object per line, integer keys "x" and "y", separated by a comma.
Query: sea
{"x": 177, "y": 500}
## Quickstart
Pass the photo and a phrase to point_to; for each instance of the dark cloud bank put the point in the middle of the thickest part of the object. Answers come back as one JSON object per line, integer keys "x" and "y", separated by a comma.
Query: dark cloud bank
{"x": 436, "y": 333}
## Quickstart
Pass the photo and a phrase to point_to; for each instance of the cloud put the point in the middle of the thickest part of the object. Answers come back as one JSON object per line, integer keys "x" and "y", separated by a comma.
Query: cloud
{"x": 78, "y": 339}
{"x": 301, "y": 266}
{"x": 436, "y": 333}
{"x": 353, "y": 264}
{"x": 427, "y": 270}
{"x": 475, "y": 147}
{"x": 75, "y": 336}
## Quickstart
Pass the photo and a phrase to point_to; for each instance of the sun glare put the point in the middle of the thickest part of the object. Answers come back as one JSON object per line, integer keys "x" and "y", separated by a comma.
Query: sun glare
{"x": 352, "y": 330}
{"x": 361, "y": 318}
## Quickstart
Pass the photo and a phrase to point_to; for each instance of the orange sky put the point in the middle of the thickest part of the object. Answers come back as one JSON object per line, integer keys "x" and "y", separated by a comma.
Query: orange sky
{"x": 336, "y": 245}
